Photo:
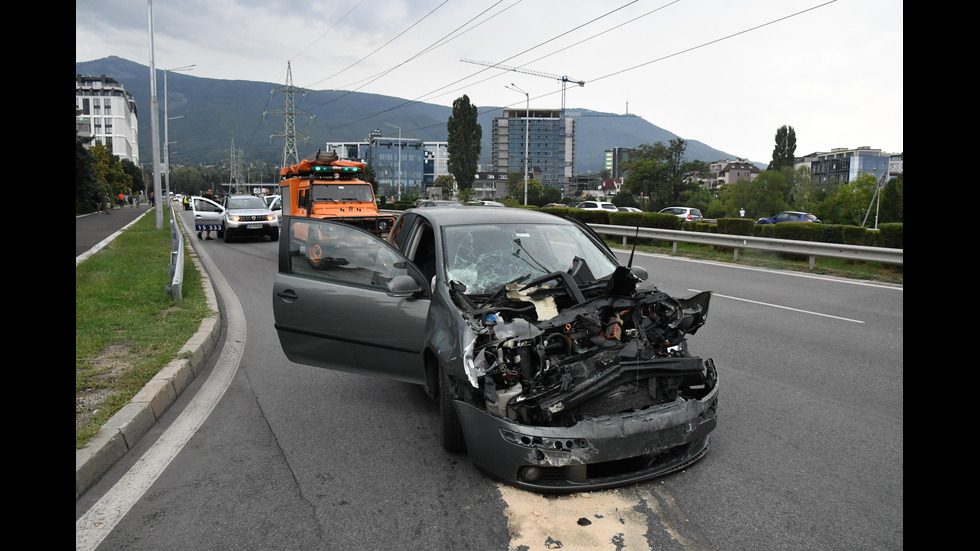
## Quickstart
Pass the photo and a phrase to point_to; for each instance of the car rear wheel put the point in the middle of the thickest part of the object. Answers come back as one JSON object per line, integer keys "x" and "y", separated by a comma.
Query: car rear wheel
{"x": 452, "y": 432}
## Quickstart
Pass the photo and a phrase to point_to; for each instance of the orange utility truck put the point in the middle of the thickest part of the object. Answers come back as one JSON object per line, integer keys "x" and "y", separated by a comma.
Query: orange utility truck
{"x": 329, "y": 188}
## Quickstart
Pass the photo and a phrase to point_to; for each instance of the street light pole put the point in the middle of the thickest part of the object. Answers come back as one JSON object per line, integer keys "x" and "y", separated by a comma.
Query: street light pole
{"x": 166, "y": 128}
{"x": 399, "y": 159}
{"x": 527, "y": 128}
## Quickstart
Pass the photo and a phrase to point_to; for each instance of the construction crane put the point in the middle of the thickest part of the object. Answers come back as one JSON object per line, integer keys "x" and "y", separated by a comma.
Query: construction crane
{"x": 564, "y": 83}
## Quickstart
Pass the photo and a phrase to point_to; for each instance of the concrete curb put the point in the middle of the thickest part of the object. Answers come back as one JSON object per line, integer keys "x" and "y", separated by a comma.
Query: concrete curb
{"x": 133, "y": 421}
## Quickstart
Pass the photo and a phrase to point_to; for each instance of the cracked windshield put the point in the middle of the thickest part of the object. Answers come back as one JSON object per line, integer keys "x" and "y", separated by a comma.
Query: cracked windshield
{"x": 486, "y": 257}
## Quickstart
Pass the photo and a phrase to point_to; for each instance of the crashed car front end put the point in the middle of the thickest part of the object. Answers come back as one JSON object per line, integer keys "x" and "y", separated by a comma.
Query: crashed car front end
{"x": 575, "y": 382}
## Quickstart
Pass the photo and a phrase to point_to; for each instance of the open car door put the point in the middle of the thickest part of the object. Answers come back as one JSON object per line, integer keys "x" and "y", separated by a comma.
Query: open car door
{"x": 207, "y": 215}
{"x": 345, "y": 299}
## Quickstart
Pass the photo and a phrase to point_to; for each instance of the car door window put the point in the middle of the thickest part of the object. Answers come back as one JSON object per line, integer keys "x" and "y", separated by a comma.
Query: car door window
{"x": 340, "y": 253}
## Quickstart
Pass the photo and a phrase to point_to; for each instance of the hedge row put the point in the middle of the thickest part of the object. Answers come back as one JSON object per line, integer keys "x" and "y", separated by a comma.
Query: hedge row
{"x": 888, "y": 235}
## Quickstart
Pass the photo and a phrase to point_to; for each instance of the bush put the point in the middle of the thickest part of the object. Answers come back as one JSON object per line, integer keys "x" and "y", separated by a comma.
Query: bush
{"x": 736, "y": 226}
{"x": 892, "y": 235}
{"x": 798, "y": 231}
{"x": 855, "y": 235}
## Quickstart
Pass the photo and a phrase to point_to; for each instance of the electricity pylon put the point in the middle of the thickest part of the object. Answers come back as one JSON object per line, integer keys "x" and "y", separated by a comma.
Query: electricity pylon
{"x": 289, "y": 134}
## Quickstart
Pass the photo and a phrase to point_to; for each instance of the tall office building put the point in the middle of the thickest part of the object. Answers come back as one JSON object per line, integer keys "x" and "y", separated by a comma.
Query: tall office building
{"x": 549, "y": 149}
{"x": 104, "y": 106}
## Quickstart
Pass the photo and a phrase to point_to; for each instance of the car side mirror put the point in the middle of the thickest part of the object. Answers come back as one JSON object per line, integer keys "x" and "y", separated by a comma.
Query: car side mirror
{"x": 639, "y": 272}
{"x": 403, "y": 286}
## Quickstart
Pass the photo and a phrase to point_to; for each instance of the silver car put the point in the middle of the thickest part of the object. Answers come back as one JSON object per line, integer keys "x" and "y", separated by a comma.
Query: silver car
{"x": 684, "y": 213}
{"x": 553, "y": 365}
{"x": 246, "y": 215}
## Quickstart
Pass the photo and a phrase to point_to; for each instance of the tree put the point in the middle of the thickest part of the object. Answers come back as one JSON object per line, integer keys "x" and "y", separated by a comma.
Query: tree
{"x": 891, "y": 201}
{"x": 784, "y": 152}
{"x": 803, "y": 190}
{"x": 87, "y": 192}
{"x": 853, "y": 199}
{"x": 108, "y": 170}
{"x": 660, "y": 172}
{"x": 446, "y": 182}
{"x": 463, "y": 142}
{"x": 135, "y": 175}
{"x": 763, "y": 196}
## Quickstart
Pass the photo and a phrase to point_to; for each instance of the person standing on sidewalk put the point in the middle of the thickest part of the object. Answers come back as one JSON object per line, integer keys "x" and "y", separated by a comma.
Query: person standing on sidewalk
{"x": 108, "y": 203}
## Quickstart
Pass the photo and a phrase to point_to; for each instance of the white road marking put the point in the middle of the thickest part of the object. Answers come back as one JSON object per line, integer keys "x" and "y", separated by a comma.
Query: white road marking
{"x": 781, "y": 307}
{"x": 102, "y": 517}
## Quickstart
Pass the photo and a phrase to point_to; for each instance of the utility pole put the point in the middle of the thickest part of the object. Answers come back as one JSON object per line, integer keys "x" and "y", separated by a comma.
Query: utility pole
{"x": 289, "y": 134}
{"x": 166, "y": 126}
{"x": 527, "y": 130}
{"x": 155, "y": 126}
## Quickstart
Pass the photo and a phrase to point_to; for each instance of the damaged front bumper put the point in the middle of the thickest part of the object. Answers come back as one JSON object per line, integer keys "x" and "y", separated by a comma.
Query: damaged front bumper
{"x": 597, "y": 452}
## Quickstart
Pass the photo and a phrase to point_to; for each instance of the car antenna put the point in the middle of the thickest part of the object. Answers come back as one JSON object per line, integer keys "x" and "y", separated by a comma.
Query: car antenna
{"x": 635, "y": 239}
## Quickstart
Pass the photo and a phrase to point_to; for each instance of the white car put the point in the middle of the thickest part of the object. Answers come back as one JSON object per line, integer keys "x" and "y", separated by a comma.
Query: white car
{"x": 248, "y": 215}
{"x": 685, "y": 213}
{"x": 598, "y": 205}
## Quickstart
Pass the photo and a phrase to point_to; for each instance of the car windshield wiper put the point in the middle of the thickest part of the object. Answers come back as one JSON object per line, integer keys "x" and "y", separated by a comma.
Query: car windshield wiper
{"x": 501, "y": 289}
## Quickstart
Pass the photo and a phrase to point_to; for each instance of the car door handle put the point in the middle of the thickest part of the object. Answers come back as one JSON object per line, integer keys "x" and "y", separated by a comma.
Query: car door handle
{"x": 288, "y": 295}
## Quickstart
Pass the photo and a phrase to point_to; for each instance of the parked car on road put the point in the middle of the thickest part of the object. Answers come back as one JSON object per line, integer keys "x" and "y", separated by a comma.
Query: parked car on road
{"x": 248, "y": 215}
{"x": 598, "y": 205}
{"x": 629, "y": 209}
{"x": 789, "y": 216}
{"x": 554, "y": 366}
{"x": 439, "y": 203}
{"x": 485, "y": 203}
{"x": 686, "y": 213}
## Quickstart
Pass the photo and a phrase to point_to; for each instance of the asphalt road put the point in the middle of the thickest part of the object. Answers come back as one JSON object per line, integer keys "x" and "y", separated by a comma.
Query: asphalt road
{"x": 808, "y": 453}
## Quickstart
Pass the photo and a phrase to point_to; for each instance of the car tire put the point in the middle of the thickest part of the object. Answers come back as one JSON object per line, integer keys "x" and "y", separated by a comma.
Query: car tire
{"x": 274, "y": 234}
{"x": 221, "y": 234}
{"x": 227, "y": 236}
{"x": 450, "y": 429}
{"x": 314, "y": 253}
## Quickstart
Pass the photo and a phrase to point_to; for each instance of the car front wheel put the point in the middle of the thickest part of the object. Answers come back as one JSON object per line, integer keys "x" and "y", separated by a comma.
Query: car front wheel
{"x": 274, "y": 234}
{"x": 452, "y": 432}
{"x": 227, "y": 236}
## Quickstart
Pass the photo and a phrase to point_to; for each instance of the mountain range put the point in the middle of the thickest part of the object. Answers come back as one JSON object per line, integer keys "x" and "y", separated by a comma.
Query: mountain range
{"x": 216, "y": 116}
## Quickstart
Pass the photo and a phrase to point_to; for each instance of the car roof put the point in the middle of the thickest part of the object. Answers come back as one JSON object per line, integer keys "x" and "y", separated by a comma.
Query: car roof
{"x": 486, "y": 215}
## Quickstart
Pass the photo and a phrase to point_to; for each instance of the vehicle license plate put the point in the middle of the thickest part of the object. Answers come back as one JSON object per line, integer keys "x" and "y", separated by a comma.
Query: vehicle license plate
{"x": 254, "y": 226}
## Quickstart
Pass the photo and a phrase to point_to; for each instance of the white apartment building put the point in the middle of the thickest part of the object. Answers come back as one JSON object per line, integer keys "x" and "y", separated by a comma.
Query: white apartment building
{"x": 104, "y": 107}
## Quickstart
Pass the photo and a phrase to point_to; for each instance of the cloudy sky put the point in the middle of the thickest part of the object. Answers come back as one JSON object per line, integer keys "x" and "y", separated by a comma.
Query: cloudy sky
{"x": 725, "y": 73}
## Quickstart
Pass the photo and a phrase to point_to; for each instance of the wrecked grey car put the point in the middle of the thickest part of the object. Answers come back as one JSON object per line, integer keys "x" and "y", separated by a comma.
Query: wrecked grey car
{"x": 554, "y": 366}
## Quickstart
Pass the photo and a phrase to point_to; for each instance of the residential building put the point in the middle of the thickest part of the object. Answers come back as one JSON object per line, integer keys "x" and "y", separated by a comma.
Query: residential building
{"x": 729, "y": 172}
{"x": 549, "y": 148}
{"x": 104, "y": 107}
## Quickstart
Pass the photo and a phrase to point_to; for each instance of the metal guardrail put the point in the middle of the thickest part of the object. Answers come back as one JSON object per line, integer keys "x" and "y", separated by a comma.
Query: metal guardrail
{"x": 812, "y": 249}
{"x": 176, "y": 259}
{"x": 737, "y": 242}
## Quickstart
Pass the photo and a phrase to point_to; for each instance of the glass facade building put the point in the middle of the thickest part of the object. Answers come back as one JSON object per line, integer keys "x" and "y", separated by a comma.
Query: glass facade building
{"x": 548, "y": 148}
